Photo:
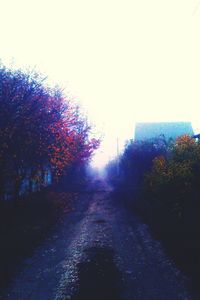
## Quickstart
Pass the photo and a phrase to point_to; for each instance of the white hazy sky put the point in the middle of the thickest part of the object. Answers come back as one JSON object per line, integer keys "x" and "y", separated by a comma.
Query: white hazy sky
{"x": 124, "y": 60}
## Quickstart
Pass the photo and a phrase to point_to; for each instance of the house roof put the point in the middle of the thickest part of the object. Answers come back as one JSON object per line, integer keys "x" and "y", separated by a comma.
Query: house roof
{"x": 145, "y": 131}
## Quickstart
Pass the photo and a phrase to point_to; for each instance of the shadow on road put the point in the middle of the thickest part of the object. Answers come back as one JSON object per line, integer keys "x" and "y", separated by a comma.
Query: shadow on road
{"x": 98, "y": 276}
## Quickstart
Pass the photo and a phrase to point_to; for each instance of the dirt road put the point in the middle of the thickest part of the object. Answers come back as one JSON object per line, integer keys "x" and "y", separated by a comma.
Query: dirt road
{"x": 99, "y": 251}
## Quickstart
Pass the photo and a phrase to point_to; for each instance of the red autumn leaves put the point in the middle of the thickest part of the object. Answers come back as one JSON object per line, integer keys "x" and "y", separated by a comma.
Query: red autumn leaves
{"x": 39, "y": 127}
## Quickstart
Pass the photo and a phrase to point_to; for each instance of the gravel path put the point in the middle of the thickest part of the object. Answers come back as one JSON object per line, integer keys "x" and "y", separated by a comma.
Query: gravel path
{"x": 99, "y": 251}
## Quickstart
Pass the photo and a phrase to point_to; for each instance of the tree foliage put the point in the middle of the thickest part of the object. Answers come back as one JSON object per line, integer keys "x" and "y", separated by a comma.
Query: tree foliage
{"x": 39, "y": 128}
{"x": 174, "y": 180}
{"x": 137, "y": 159}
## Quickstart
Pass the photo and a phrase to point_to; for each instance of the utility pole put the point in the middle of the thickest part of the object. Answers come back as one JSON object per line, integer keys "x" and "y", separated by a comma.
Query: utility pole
{"x": 117, "y": 156}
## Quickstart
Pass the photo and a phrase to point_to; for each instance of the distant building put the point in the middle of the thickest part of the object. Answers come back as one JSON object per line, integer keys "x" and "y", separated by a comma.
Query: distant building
{"x": 170, "y": 130}
{"x": 196, "y": 136}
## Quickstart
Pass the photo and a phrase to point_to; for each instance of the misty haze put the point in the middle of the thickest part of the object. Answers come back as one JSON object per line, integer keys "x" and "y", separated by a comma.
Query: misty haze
{"x": 99, "y": 150}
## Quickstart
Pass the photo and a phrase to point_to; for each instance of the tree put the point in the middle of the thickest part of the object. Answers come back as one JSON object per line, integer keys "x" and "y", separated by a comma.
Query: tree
{"x": 39, "y": 128}
{"x": 138, "y": 157}
{"x": 174, "y": 180}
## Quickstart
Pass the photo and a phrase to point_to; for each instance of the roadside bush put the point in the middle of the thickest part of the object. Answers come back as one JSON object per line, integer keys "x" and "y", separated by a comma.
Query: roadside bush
{"x": 137, "y": 159}
{"x": 173, "y": 182}
{"x": 172, "y": 190}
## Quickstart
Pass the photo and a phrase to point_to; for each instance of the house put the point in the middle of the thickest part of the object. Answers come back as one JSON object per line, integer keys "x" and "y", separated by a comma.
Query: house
{"x": 196, "y": 136}
{"x": 170, "y": 130}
